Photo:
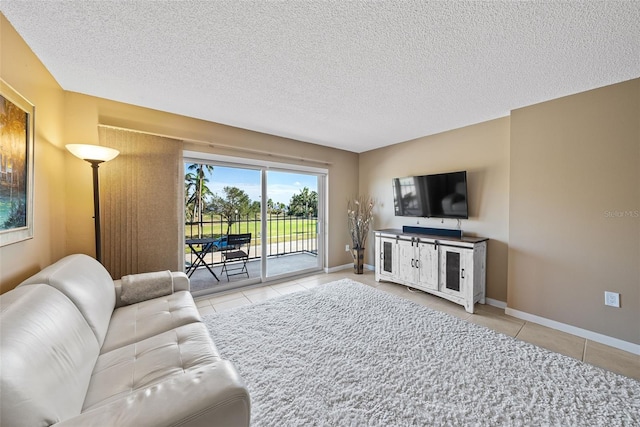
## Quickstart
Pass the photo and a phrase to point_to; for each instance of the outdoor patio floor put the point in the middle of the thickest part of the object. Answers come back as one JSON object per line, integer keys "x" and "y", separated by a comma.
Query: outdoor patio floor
{"x": 203, "y": 280}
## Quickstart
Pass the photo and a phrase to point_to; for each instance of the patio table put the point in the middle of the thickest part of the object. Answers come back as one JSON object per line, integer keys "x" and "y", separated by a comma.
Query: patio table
{"x": 205, "y": 244}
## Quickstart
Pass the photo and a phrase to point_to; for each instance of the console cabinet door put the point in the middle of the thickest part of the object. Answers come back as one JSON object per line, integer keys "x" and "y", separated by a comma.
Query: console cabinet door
{"x": 428, "y": 266}
{"x": 455, "y": 270}
{"x": 407, "y": 261}
{"x": 387, "y": 263}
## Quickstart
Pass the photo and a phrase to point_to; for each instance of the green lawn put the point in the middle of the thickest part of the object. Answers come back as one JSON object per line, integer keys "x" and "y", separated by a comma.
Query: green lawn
{"x": 279, "y": 229}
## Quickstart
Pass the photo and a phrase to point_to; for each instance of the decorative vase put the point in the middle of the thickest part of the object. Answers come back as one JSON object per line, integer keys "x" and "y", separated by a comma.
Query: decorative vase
{"x": 358, "y": 260}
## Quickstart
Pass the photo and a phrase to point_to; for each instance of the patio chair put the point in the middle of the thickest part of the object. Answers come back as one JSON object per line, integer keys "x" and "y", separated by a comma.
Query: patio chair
{"x": 236, "y": 252}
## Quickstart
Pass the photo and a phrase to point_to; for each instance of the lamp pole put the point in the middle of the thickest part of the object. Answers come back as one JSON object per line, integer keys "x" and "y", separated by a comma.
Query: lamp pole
{"x": 94, "y": 154}
{"x": 96, "y": 208}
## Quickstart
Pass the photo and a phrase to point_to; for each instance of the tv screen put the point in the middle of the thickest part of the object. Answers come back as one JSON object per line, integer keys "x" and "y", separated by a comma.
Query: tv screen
{"x": 441, "y": 195}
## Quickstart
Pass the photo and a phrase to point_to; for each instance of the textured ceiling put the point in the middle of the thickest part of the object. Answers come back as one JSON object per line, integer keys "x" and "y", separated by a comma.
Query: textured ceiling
{"x": 355, "y": 75}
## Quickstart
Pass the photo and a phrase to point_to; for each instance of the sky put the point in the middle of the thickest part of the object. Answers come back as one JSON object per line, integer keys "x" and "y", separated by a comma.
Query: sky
{"x": 280, "y": 185}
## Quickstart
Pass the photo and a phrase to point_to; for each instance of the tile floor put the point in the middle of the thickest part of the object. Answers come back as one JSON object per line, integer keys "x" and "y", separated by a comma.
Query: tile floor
{"x": 494, "y": 318}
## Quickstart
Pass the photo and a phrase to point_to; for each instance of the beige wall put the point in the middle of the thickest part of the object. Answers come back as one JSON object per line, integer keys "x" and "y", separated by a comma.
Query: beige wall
{"x": 574, "y": 201}
{"x": 20, "y": 68}
{"x": 483, "y": 151}
{"x": 84, "y": 113}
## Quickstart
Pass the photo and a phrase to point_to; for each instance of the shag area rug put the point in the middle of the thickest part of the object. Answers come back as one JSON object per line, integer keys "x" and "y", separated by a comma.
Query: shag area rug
{"x": 346, "y": 354}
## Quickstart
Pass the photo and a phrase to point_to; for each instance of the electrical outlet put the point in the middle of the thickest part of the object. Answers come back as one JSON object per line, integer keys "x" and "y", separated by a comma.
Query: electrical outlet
{"x": 611, "y": 299}
{"x": 346, "y": 248}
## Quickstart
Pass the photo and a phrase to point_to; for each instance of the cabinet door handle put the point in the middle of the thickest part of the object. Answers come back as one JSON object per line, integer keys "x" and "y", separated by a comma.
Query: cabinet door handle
{"x": 417, "y": 263}
{"x": 381, "y": 256}
{"x": 412, "y": 263}
{"x": 462, "y": 272}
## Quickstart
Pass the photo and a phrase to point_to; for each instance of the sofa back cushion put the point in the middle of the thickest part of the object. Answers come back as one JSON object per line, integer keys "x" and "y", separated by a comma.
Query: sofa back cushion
{"x": 47, "y": 354}
{"x": 85, "y": 282}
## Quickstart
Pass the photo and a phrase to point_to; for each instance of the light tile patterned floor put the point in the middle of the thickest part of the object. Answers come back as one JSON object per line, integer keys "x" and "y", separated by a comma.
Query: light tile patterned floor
{"x": 491, "y": 317}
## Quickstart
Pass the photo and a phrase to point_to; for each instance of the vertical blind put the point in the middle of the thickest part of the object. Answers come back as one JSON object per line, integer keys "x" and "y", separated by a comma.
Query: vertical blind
{"x": 140, "y": 203}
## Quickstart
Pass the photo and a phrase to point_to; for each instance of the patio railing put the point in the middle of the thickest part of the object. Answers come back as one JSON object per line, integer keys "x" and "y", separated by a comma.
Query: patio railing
{"x": 285, "y": 234}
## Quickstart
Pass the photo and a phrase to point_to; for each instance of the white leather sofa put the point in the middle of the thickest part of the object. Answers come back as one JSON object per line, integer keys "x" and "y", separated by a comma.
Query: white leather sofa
{"x": 71, "y": 354}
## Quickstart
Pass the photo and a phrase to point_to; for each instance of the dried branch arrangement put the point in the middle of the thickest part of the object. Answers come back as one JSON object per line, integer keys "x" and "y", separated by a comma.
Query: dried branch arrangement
{"x": 360, "y": 218}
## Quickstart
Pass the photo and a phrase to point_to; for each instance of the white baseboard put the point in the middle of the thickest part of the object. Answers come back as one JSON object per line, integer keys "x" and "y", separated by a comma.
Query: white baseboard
{"x": 338, "y": 268}
{"x": 496, "y": 303}
{"x": 584, "y": 333}
{"x": 346, "y": 267}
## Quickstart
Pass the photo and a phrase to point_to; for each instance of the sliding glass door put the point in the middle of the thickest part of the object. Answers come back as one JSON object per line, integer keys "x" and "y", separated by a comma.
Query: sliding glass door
{"x": 224, "y": 199}
{"x": 221, "y": 201}
{"x": 292, "y": 215}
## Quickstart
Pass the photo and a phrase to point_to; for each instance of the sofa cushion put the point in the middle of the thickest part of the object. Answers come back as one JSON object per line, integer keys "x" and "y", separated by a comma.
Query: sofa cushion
{"x": 180, "y": 283}
{"x": 47, "y": 354}
{"x": 85, "y": 282}
{"x": 133, "y": 323}
{"x": 125, "y": 370}
{"x": 145, "y": 286}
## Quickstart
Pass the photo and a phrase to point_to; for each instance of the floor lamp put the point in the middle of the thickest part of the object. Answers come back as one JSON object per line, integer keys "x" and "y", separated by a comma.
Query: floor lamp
{"x": 94, "y": 154}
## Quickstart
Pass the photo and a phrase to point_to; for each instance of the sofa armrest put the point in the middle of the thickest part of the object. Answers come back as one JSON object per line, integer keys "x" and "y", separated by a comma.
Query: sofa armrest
{"x": 180, "y": 283}
{"x": 211, "y": 396}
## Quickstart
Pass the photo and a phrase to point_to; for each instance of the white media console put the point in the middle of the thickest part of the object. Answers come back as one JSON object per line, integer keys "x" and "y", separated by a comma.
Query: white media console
{"x": 449, "y": 267}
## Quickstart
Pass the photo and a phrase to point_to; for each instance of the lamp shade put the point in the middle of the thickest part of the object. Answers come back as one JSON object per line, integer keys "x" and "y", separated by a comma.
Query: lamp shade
{"x": 92, "y": 152}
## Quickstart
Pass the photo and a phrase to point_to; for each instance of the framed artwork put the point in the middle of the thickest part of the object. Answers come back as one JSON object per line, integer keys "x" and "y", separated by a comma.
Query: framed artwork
{"x": 16, "y": 166}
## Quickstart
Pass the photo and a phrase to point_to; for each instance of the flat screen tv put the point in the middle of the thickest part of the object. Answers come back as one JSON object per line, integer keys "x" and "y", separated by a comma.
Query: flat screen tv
{"x": 442, "y": 195}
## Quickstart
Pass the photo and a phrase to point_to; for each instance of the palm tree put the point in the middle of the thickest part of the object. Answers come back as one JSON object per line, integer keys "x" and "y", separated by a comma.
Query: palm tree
{"x": 189, "y": 191}
{"x": 196, "y": 191}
